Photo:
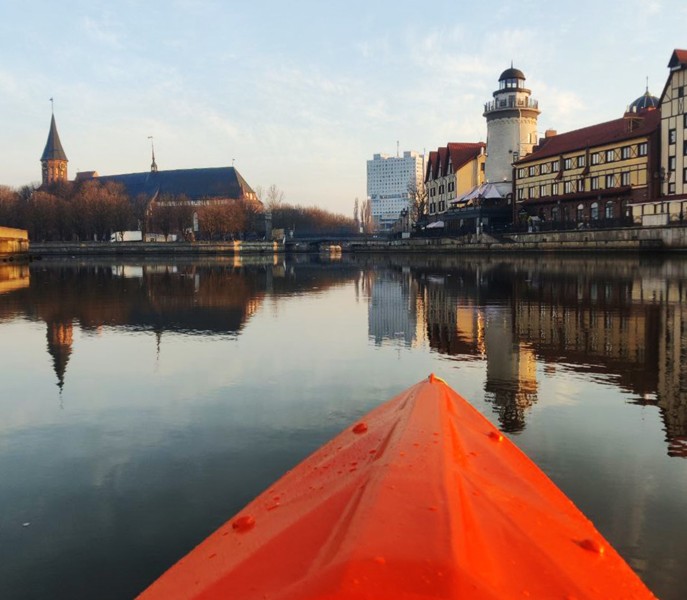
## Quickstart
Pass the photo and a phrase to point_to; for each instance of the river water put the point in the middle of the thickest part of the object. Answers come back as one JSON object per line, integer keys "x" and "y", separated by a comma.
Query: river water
{"x": 142, "y": 405}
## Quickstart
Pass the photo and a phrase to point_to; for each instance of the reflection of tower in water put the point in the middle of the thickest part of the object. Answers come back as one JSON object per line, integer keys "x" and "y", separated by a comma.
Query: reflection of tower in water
{"x": 60, "y": 339}
{"x": 511, "y": 383}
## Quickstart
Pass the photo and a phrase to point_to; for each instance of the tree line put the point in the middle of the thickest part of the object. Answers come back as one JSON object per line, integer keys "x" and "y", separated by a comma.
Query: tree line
{"x": 94, "y": 210}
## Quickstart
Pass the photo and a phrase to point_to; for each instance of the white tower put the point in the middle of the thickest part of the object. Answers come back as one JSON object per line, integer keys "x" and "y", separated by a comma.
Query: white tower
{"x": 511, "y": 127}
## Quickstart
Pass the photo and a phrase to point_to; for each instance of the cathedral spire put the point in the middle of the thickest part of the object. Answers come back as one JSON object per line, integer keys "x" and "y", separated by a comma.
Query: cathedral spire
{"x": 54, "y": 160}
{"x": 153, "y": 165}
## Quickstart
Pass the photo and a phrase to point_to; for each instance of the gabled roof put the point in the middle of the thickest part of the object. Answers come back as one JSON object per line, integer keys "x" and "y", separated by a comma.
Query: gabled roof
{"x": 678, "y": 59}
{"x": 596, "y": 135}
{"x": 460, "y": 154}
{"x": 195, "y": 184}
{"x": 53, "y": 147}
{"x": 463, "y": 152}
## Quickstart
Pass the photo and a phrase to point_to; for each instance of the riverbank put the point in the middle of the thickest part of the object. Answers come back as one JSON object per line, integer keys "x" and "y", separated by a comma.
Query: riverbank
{"x": 143, "y": 249}
{"x": 640, "y": 239}
{"x": 585, "y": 240}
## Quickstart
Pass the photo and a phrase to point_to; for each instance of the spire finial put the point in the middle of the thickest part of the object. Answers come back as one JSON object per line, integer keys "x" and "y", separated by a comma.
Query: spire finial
{"x": 511, "y": 63}
{"x": 647, "y": 84}
{"x": 52, "y": 106}
{"x": 153, "y": 165}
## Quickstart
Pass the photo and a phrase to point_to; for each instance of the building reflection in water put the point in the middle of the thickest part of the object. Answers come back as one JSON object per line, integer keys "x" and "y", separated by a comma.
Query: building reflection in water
{"x": 621, "y": 320}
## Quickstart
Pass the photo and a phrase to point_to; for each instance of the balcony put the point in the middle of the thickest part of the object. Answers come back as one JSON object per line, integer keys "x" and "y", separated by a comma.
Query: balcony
{"x": 510, "y": 103}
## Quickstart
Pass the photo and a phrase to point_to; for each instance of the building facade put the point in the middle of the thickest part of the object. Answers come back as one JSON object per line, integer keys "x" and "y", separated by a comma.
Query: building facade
{"x": 452, "y": 171}
{"x": 511, "y": 128}
{"x": 592, "y": 176}
{"x": 672, "y": 206}
{"x": 391, "y": 181}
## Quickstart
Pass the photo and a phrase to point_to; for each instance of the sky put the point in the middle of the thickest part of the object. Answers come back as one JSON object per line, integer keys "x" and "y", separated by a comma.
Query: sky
{"x": 301, "y": 94}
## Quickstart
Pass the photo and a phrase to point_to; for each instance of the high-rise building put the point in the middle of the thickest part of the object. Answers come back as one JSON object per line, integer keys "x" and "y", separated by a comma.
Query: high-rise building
{"x": 390, "y": 181}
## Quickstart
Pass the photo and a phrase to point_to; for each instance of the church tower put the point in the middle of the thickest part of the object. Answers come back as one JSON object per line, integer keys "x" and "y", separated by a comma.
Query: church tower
{"x": 511, "y": 127}
{"x": 54, "y": 160}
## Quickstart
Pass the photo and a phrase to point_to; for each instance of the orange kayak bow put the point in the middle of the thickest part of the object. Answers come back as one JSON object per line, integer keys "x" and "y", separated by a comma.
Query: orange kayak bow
{"x": 423, "y": 498}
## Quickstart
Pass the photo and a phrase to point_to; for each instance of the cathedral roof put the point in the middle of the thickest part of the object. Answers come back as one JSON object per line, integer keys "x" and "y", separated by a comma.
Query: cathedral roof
{"x": 195, "y": 184}
{"x": 53, "y": 147}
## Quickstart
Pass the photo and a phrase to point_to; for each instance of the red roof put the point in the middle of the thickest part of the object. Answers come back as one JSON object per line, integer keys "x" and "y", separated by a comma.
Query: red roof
{"x": 679, "y": 58}
{"x": 460, "y": 154}
{"x": 596, "y": 135}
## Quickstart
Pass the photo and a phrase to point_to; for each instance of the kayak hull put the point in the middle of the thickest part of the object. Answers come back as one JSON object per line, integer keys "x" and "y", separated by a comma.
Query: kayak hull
{"x": 422, "y": 498}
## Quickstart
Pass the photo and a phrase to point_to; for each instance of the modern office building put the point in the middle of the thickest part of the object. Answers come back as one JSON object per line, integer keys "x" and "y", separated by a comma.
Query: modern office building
{"x": 390, "y": 184}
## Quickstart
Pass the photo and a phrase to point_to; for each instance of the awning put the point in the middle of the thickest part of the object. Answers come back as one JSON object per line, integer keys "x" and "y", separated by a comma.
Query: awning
{"x": 486, "y": 190}
{"x": 435, "y": 225}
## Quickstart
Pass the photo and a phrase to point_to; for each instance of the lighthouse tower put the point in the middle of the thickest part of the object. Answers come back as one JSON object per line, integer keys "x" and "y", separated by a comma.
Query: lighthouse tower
{"x": 511, "y": 128}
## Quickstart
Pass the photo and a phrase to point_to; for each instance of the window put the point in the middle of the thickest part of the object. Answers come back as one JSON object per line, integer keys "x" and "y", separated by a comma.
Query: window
{"x": 610, "y": 180}
{"x": 643, "y": 149}
{"x": 684, "y": 146}
{"x": 568, "y": 187}
{"x": 581, "y": 160}
{"x": 542, "y": 191}
{"x": 530, "y": 192}
{"x": 441, "y": 189}
{"x": 568, "y": 164}
{"x": 609, "y": 209}
{"x": 442, "y": 206}
{"x": 595, "y": 183}
{"x": 625, "y": 178}
{"x": 544, "y": 168}
{"x": 520, "y": 193}
{"x": 672, "y": 136}
{"x": 554, "y": 189}
{"x": 596, "y": 158}
{"x": 671, "y": 164}
{"x": 685, "y": 121}
{"x": 451, "y": 186}
{"x": 522, "y": 173}
{"x": 594, "y": 212}
{"x": 681, "y": 91}
{"x": 555, "y": 214}
{"x": 580, "y": 212}
{"x": 625, "y": 152}
{"x": 533, "y": 171}
{"x": 671, "y": 187}
{"x": 555, "y": 166}
{"x": 684, "y": 175}
{"x": 432, "y": 207}
{"x": 580, "y": 185}
{"x": 610, "y": 155}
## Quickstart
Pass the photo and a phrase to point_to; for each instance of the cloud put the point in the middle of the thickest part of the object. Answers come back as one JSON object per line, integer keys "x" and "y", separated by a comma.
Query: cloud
{"x": 101, "y": 32}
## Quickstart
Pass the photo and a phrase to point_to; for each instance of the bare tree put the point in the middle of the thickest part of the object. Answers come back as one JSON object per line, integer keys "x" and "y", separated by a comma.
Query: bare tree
{"x": 356, "y": 213}
{"x": 417, "y": 194}
{"x": 366, "y": 216}
{"x": 274, "y": 198}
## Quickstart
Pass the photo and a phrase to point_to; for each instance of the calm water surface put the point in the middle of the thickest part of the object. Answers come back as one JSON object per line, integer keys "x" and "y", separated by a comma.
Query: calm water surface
{"x": 142, "y": 405}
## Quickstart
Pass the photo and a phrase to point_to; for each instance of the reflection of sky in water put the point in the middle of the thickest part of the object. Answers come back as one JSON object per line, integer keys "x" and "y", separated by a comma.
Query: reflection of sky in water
{"x": 158, "y": 435}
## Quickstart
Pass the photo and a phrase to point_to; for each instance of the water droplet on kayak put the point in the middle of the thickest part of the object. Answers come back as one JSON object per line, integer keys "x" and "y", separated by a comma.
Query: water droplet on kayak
{"x": 592, "y": 546}
{"x": 433, "y": 508}
{"x": 243, "y": 524}
{"x": 360, "y": 428}
{"x": 212, "y": 555}
{"x": 496, "y": 436}
{"x": 373, "y": 452}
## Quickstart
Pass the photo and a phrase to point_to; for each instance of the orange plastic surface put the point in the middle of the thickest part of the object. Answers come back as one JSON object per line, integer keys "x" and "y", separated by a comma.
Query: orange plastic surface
{"x": 423, "y": 498}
